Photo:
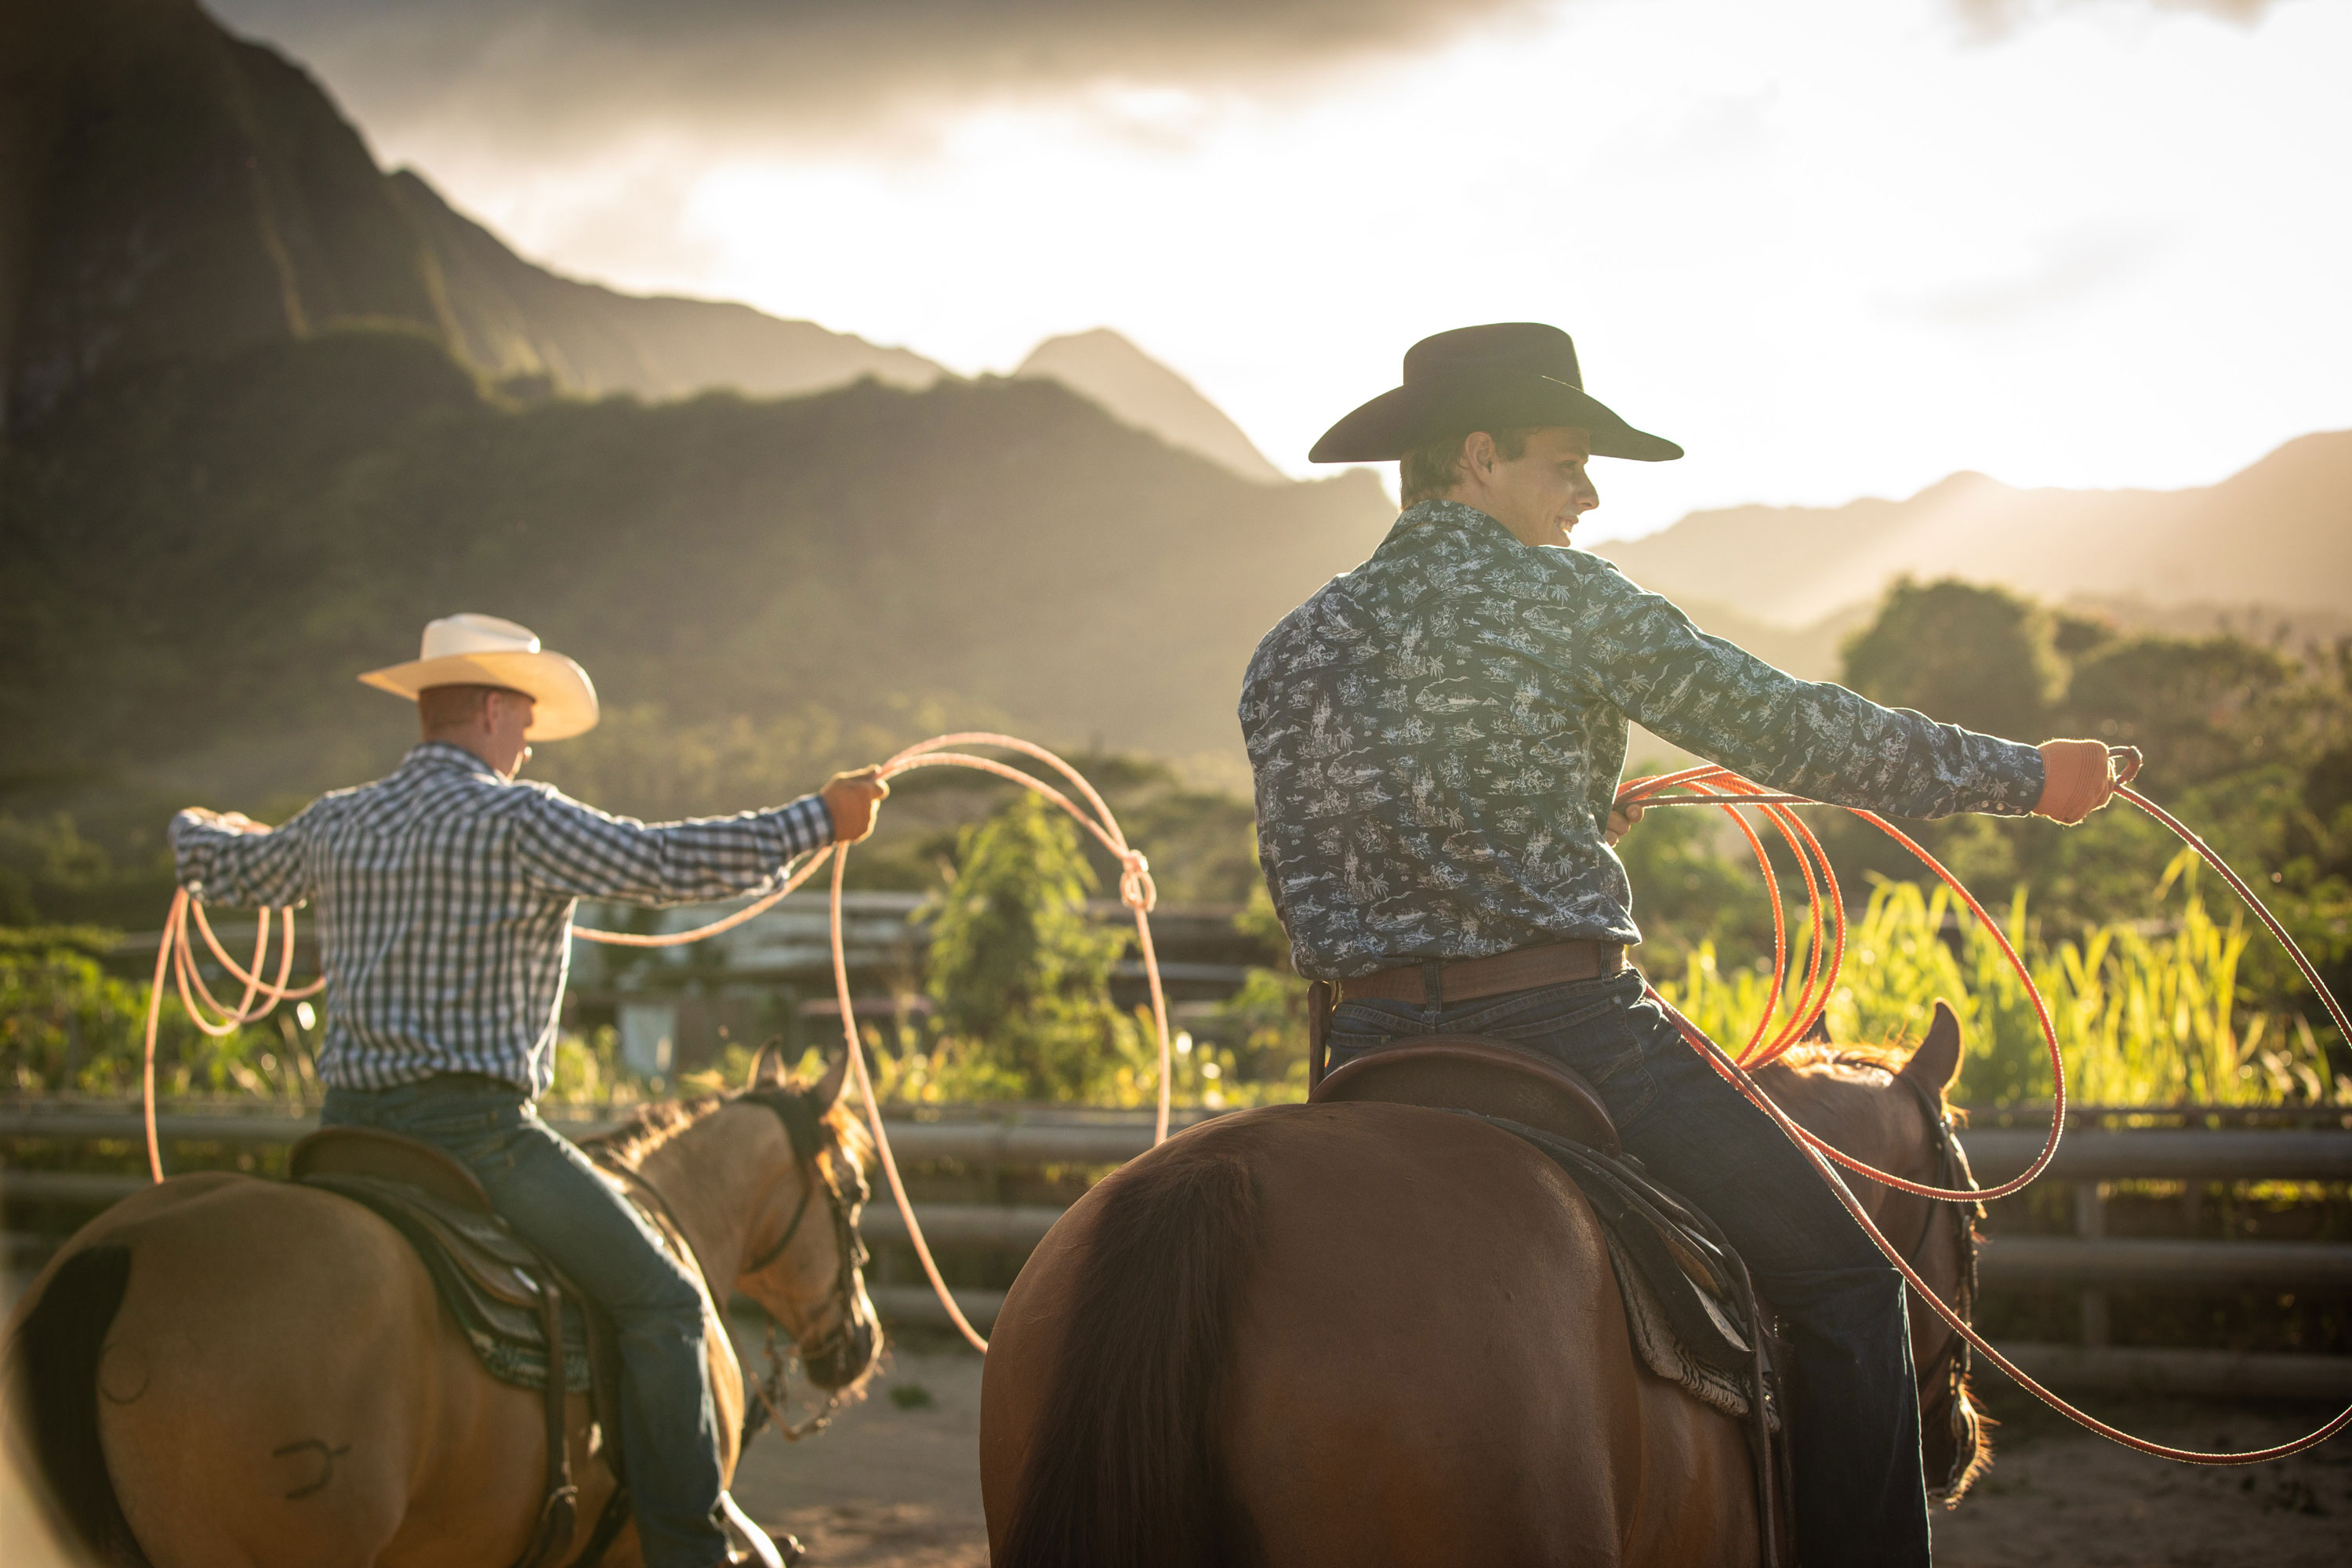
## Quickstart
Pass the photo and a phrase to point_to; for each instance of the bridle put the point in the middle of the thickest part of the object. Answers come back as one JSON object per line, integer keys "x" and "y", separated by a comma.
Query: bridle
{"x": 1947, "y": 1375}
{"x": 805, "y": 1126}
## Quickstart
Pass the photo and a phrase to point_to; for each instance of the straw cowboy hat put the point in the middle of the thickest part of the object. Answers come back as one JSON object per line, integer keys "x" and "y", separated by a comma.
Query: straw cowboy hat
{"x": 483, "y": 650}
{"x": 1509, "y": 375}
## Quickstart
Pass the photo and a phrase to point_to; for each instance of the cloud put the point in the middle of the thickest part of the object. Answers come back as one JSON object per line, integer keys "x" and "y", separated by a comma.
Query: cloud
{"x": 555, "y": 73}
{"x": 1999, "y": 18}
{"x": 2067, "y": 269}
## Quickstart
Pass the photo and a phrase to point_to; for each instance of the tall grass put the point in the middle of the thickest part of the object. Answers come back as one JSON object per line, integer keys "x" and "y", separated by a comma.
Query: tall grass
{"x": 2145, "y": 1015}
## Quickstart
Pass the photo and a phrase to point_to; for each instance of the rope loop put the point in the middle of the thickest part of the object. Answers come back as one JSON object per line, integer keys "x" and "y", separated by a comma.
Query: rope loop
{"x": 1136, "y": 889}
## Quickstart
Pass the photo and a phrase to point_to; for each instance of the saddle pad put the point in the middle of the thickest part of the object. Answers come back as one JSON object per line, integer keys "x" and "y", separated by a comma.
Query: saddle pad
{"x": 483, "y": 1273}
{"x": 1662, "y": 1353}
{"x": 1683, "y": 1310}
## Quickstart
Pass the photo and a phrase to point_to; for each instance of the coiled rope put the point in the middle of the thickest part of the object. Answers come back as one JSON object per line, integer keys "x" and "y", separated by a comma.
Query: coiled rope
{"x": 1737, "y": 794}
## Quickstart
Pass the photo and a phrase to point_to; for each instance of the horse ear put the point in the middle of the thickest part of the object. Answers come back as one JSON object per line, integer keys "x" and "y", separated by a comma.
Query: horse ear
{"x": 827, "y": 1093}
{"x": 1937, "y": 1062}
{"x": 767, "y": 1067}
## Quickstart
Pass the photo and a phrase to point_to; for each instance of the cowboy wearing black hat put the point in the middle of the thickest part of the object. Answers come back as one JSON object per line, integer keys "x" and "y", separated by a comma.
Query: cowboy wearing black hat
{"x": 1437, "y": 737}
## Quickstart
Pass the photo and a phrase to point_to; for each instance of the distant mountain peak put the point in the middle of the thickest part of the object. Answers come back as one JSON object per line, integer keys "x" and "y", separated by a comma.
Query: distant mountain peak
{"x": 1138, "y": 390}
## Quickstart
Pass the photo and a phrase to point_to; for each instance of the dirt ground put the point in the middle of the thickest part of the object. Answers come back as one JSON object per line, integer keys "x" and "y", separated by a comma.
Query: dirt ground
{"x": 889, "y": 1487}
{"x": 2056, "y": 1494}
{"x": 894, "y": 1482}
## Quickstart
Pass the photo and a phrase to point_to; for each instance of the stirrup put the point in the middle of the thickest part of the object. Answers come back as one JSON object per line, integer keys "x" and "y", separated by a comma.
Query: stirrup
{"x": 749, "y": 1543}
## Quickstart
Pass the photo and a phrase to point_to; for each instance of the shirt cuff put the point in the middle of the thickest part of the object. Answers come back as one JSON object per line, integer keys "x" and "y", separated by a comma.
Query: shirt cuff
{"x": 191, "y": 840}
{"x": 2021, "y": 780}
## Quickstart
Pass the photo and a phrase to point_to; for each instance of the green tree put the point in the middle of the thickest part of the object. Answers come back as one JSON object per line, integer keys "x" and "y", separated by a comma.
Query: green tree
{"x": 1019, "y": 972}
{"x": 1965, "y": 654}
{"x": 2200, "y": 708}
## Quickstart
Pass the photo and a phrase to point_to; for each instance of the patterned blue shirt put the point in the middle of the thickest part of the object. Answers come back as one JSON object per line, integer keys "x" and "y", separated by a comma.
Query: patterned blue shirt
{"x": 1437, "y": 737}
{"x": 444, "y": 899}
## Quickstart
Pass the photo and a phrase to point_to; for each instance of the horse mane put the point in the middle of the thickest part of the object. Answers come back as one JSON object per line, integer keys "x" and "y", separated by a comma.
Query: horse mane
{"x": 1816, "y": 1053}
{"x": 650, "y": 1126}
{"x": 655, "y": 1123}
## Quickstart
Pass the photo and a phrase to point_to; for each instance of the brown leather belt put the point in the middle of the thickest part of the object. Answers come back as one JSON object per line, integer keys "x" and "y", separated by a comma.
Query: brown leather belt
{"x": 1468, "y": 979}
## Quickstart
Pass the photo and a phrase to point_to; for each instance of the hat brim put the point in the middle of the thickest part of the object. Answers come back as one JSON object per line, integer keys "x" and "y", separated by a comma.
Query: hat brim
{"x": 1404, "y": 417}
{"x": 565, "y": 696}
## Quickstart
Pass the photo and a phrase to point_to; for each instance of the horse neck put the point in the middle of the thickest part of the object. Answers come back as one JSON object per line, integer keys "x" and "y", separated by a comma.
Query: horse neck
{"x": 716, "y": 1178}
{"x": 1857, "y": 1109}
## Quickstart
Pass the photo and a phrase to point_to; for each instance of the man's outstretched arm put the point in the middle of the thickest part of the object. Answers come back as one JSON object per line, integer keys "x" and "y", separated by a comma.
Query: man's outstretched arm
{"x": 231, "y": 859}
{"x": 569, "y": 847}
{"x": 1815, "y": 737}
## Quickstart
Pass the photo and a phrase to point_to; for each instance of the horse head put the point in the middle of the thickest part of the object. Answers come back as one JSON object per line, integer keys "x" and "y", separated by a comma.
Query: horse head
{"x": 1953, "y": 1445}
{"x": 804, "y": 1262}
{"x": 1894, "y": 1113}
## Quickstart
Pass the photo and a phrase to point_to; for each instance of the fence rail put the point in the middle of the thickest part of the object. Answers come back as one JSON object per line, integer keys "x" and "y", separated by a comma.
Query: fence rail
{"x": 2089, "y": 1261}
{"x": 1073, "y": 1138}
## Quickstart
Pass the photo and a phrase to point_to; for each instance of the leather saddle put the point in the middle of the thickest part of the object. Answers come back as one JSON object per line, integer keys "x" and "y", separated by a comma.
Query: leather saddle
{"x": 489, "y": 1277}
{"x": 526, "y": 1324}
{"x": 1483, "y": 1076}
{"x": 1690, "y": 1310}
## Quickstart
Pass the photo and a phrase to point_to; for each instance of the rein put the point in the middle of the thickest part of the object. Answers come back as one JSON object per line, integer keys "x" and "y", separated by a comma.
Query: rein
{"x": 803, "y": 1126}
{"x": 1949, "y": 1365}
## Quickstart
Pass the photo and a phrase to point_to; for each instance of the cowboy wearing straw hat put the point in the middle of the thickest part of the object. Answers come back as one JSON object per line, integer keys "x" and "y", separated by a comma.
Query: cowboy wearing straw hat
{"x": 445, "y": 892}
{"x": 1437, "y": 737}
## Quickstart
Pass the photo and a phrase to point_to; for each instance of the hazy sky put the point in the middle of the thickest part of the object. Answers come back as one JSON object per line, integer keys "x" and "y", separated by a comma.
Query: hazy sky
{"x": 1833, "y": 248}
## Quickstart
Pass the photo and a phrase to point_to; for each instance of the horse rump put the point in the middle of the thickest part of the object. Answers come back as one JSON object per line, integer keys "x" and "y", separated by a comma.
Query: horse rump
{"x": 53, "y": 1373}
{"x": 1123, "y": 1466}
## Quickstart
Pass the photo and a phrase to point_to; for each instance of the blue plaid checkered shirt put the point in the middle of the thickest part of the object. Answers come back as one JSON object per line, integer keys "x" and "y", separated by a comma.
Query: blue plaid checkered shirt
{"x": 444, "y": 897}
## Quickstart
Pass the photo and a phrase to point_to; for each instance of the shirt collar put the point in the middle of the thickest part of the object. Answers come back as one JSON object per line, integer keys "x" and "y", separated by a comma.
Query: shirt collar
{"x": 1426, "y": 522}
{"x": 442, "y": 755}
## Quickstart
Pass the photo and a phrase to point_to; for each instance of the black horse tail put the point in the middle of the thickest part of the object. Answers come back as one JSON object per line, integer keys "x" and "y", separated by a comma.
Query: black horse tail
{"x": 54, "y": 1369}
{"x": 1123, "y": 1468}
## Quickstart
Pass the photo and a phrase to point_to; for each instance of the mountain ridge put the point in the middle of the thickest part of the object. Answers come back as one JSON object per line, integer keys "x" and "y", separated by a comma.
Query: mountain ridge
{"x": 167, "y": 188}
{"x": 2277, "y": 532}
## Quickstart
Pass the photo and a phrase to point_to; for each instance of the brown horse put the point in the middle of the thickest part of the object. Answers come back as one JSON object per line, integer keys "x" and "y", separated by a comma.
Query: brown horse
{"x": 273, "y": 1382}
{"x": 1372, "y": 1333}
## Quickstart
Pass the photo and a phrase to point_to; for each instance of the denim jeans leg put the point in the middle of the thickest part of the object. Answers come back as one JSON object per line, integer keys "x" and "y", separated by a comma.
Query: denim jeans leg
{"x": 553, "y": 1198}
{"x": 1860, "y": 1495}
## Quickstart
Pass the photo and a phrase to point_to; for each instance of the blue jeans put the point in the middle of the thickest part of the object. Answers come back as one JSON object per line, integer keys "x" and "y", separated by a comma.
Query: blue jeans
{"x": 1859, "y": 1497}
{"x": 547, "y": 1190}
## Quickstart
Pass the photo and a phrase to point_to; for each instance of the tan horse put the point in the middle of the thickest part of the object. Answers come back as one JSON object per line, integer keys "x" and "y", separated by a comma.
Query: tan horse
{"x": 1369, "y": 1333}
{"x": 274, "y": 1385}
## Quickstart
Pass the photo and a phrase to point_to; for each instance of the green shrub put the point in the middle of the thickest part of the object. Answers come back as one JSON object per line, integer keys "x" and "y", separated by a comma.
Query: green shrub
{"x": 2144, "y": 1016}
{"x": 69, "y": 1027}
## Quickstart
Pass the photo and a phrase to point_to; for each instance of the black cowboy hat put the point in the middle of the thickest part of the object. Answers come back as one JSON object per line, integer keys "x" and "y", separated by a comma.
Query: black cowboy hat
{"x": 1504, "y": 376}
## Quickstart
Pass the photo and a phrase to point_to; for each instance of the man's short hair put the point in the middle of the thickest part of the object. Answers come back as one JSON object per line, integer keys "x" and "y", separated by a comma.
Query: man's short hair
{"x": 1431, "y": 469}
{"x": 450, "y": 707}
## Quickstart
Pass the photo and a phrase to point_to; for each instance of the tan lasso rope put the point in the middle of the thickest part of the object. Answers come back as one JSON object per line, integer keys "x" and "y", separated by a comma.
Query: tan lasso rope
{"x": 1135, "y": 890}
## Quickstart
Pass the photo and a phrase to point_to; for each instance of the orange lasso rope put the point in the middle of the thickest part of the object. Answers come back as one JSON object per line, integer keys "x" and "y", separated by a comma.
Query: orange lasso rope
{"x": 1740, "y": 792}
